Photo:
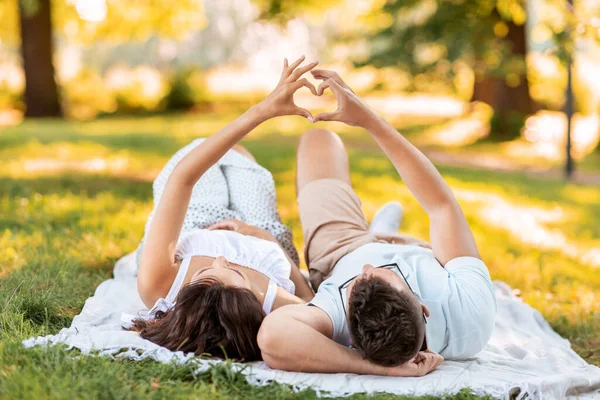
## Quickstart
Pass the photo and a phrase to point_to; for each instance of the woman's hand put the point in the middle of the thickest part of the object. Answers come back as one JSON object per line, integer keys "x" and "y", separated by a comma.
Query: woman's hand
{"x": 241, "y": 227}
{"x": 422, "y": 364}
{"x": 351, "y": 109}
{"x": 281, "y": 100}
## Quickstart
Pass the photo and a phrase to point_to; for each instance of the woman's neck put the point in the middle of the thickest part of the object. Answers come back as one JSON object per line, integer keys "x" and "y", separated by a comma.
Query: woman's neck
{"x": 259, "y": 290}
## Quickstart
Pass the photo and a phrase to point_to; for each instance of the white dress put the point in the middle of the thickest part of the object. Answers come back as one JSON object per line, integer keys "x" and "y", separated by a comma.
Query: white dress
{"x": 235, "y": 187}
{"x": 250, "y": 252}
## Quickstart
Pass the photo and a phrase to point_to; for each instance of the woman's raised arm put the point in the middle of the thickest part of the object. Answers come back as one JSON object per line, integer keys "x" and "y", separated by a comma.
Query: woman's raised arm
{"x": 157, "y": 266}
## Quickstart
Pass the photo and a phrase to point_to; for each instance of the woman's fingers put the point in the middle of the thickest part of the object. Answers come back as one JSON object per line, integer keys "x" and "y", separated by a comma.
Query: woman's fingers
{"x": 301, "y": 71}
{"x": 284, "y": 71}
{"x": 304, "y": 112}
{"x": 304, "y": 83}
{"x": 229, "y": 225}
{"x": 296, "y": 63}
{"x": 288, "y": 70}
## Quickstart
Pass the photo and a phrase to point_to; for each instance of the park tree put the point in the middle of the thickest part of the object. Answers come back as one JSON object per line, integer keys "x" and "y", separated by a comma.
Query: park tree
{"x": 33, "y": 24}
{"x": 490, "y": 35}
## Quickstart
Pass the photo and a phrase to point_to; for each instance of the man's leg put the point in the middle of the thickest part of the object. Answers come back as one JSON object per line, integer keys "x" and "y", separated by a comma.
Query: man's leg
{"x": 332, "y": 220}
{"x": 321, "y": 155}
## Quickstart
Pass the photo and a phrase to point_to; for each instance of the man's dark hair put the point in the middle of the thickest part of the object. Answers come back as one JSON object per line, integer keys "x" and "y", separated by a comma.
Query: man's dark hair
{"x": 386, "y": 325}
{"x": 208, "y": 318}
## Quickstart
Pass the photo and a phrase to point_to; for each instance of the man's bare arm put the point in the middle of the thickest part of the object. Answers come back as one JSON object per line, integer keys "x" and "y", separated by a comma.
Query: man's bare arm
{"x": 450, "y": 234}
{"x": 297, "y": 338}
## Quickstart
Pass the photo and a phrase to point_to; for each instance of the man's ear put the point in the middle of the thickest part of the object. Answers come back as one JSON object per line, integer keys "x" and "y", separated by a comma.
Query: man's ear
{"x": 425, "y": 310}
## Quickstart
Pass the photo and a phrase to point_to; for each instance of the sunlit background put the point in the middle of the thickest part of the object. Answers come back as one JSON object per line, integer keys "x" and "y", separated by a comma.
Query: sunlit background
{"x": 124, "y": 57}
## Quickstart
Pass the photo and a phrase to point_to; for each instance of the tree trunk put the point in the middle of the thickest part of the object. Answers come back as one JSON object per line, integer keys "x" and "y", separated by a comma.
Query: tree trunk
{"x": 511, "y": 104}
{"x": 41, "y": 93}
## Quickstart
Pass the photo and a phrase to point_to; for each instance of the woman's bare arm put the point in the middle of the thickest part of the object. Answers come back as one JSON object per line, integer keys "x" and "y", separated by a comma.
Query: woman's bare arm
{"x": 157, "y": 266}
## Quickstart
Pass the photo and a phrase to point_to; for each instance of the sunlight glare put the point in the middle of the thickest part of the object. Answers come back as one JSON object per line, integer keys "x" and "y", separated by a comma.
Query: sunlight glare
{"x": 527, "y": 224}
{"x": 91, "y": 10}
{"x": 547, "y": 130}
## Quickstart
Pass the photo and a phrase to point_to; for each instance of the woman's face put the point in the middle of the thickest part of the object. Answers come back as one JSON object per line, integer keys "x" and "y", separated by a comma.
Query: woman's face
{"x": 223, "y": 272}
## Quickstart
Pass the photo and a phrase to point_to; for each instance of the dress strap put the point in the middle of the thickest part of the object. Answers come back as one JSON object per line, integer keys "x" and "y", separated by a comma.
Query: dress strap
{"x": 178, "y": 282}
{"x": 270, "y": 297}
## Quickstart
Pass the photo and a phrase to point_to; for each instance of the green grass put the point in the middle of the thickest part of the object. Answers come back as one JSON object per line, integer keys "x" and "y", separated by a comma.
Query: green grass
{"x": 64, "y": 221}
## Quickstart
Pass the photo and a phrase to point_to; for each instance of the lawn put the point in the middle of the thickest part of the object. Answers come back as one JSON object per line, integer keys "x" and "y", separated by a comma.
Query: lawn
{"x": 74, "y": 197}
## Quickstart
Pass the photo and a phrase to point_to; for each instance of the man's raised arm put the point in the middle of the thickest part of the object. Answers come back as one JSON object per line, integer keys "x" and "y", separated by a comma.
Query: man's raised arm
{"x": 450, "y": 234}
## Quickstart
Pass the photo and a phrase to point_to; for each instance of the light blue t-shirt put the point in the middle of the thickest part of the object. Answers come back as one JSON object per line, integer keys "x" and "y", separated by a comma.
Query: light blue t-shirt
{"x": 460, "y": 296}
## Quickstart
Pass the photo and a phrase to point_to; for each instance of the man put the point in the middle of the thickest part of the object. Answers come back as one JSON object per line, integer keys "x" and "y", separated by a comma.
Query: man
{"x": 401, "y": 304}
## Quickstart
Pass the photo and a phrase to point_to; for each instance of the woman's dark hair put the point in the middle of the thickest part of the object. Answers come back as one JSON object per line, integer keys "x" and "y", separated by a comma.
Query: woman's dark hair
{"x": 208, "y": 318}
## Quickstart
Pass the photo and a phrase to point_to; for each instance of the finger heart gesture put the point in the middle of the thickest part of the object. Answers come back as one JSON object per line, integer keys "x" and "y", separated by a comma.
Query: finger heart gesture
{"x": 281, "y": 100}
{"x": 351, "y": 109}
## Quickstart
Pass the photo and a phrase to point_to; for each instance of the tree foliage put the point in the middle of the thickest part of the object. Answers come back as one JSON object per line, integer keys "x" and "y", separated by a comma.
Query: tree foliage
{"x": 424, "y": 34}
{"x": 282, "y": 10}
{"x": 113, "y": 20}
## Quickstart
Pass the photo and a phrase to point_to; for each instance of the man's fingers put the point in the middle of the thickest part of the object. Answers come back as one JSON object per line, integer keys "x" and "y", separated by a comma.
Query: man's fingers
{"x": 304, "y": 82}
{"x": 419, "y": 357}
{"x": 335, "y": 87}
{"x": 324, "y": 73}
{"x": 322, "y": 88}
{"x": 285, "y": 63}
{"x": 430, "y": 362}
{"x": 328, "y": 116}
{"x": 301, "y": 71}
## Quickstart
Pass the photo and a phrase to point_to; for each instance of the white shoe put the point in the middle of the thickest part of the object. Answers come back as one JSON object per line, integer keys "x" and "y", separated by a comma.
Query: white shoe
{"x": 387, "y": 219}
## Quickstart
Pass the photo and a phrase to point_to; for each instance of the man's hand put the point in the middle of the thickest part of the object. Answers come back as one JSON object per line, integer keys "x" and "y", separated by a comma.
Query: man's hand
{"x": 281, "y": 100}
{"x": 422, "y": 364}
{"x": 351, "y": 109}
{"x": 241, "y": 227}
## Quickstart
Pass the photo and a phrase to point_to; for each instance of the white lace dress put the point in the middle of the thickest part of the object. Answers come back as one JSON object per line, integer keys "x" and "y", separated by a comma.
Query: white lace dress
{"x": 235, "y": 187}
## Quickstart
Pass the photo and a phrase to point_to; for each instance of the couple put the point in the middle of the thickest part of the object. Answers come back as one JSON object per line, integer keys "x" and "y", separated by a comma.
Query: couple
{"x": 220, "y": 273}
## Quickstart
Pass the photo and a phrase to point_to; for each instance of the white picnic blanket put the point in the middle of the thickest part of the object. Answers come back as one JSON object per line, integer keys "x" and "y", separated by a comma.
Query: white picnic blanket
{"x": 524, "y": 358}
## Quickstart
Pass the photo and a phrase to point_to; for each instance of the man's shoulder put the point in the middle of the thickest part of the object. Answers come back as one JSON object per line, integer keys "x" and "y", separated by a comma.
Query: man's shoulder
{"x": 325, "y": 295}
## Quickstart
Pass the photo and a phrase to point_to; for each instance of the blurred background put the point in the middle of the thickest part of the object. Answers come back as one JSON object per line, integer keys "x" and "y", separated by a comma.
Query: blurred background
{"x": 493, "y": 71}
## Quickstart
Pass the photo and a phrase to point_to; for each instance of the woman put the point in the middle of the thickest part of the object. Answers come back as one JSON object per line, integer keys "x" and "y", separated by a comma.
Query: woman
{"x": 209, "y": 289}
